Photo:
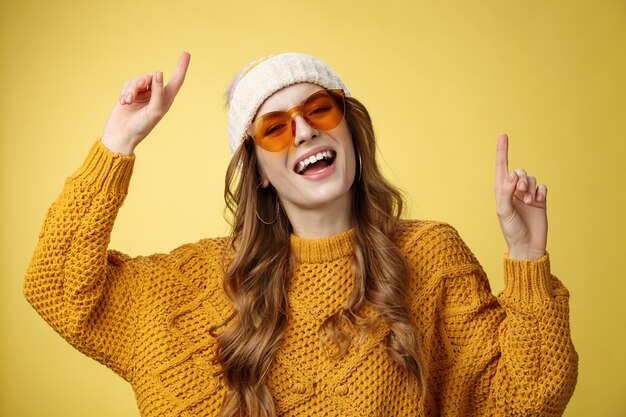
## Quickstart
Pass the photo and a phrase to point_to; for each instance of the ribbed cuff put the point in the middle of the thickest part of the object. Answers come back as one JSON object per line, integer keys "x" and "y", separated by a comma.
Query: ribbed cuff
{"x": 527, "y": 282}
{"x": 105, "y": 170}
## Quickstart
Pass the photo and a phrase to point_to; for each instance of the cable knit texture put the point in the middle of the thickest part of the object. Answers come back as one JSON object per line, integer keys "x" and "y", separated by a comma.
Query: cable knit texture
{"x": 148, "y": 318}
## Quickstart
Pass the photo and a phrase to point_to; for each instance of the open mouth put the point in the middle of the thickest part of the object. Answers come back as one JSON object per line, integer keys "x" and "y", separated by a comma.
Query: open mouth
{"x": 315, "y": 163}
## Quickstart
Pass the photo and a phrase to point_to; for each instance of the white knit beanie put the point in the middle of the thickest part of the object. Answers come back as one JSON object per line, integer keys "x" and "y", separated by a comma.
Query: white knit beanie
{"x": 262, "y": 78}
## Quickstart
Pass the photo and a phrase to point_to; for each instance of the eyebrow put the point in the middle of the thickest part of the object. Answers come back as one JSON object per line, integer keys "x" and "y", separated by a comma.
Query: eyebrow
{"x": 285, "y": 111}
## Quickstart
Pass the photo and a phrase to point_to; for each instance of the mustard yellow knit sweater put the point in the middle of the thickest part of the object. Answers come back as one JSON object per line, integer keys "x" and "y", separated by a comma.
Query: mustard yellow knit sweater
{"x": 148, "y": 318}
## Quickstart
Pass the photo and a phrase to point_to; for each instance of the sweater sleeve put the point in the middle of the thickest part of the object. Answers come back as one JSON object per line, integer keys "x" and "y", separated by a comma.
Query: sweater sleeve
{"x": 509, "y": 355}
{"x": 84, "y": 291}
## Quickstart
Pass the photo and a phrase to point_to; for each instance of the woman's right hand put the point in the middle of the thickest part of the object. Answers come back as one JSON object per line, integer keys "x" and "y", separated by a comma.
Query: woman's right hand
{"x": 142, "y": 104}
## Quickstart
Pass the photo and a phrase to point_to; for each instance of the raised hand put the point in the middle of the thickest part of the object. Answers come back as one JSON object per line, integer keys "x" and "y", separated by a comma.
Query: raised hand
{"x": 521, "y": 207}
{"x": 142, "y": 104}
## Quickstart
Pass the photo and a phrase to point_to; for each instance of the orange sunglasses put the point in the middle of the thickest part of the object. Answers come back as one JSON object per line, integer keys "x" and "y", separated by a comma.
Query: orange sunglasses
{"x": 323, "y": 110}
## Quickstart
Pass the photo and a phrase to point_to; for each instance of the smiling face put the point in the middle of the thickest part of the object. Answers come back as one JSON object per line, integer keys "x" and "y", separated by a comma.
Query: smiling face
{"x": 314, "y": 174}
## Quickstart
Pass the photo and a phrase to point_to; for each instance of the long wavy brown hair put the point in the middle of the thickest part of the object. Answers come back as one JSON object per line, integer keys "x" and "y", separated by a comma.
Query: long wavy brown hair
{"x": 257, "y": 277}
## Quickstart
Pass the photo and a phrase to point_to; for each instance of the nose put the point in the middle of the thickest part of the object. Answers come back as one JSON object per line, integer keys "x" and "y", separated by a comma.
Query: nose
{"x": 303, "y": 130}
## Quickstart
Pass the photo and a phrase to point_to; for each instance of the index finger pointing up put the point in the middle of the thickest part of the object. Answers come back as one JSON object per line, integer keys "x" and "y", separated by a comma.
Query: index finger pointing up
{"x": 179, "y": 75}
{"x": 502, "y": 158}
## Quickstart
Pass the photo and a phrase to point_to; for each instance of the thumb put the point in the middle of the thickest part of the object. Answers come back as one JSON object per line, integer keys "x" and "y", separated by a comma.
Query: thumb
{"x": 156, "y": 106}
{"x": 504, "y": 197}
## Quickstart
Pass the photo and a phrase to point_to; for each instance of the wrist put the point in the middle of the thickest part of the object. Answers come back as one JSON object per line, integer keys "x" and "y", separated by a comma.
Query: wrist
{"x": 525, "y": 254}
{"x": 117, "y": 145}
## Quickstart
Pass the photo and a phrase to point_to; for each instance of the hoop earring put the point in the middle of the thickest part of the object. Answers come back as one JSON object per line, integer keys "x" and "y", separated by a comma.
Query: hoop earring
{"x": 275, "y": 217}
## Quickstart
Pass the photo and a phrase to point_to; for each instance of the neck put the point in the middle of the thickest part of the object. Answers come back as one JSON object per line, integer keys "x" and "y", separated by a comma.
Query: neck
{"x": 320, "y": 222}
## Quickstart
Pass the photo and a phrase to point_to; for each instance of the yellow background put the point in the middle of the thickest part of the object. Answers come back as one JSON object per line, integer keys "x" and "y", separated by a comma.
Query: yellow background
{"x": 441, "y": 80}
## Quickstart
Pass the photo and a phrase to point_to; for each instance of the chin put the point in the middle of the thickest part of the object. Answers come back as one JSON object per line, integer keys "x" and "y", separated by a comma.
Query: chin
{"x": 324, "y": 196}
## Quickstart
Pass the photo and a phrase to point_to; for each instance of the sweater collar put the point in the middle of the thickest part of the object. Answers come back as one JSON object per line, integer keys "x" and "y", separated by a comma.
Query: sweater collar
{"x": 323, "y": 250}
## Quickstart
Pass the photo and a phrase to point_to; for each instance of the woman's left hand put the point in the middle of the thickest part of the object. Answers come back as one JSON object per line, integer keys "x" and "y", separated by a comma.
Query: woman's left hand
{"x": 521, "y": 207}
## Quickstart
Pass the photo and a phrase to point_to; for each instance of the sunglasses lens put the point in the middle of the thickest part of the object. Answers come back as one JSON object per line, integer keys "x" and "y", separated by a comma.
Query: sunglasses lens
{"x": 273, "y": 131}
{"x": 323, "y": 110}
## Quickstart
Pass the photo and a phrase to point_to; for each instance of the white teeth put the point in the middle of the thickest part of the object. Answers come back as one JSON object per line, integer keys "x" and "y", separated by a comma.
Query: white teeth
{"x": 312, "y": 159}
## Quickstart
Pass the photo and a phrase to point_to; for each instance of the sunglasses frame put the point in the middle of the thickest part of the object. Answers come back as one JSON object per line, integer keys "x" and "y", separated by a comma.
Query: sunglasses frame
{"x": 337, "y": 95}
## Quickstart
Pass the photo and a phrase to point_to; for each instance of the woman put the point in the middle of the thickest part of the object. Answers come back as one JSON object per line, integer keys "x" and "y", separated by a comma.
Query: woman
{"x": 322, "y": 301}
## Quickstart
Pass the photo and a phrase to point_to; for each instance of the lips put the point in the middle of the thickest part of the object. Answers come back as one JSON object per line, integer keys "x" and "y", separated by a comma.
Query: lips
{"x": 315, "y": 161}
